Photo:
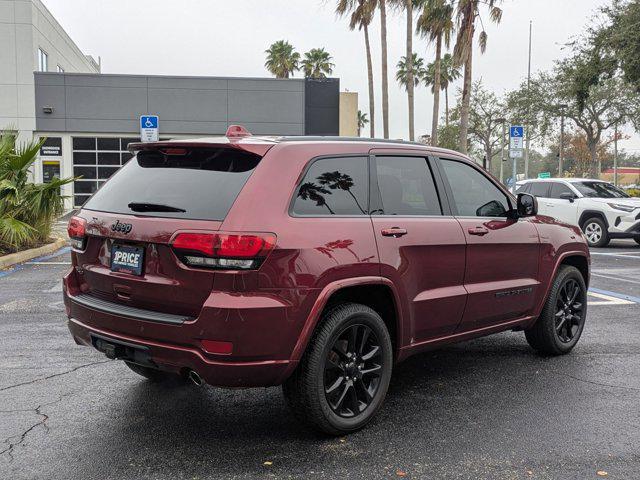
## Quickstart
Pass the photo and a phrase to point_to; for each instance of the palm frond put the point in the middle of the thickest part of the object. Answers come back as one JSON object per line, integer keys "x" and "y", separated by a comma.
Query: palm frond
{"x": 15, "y": 233}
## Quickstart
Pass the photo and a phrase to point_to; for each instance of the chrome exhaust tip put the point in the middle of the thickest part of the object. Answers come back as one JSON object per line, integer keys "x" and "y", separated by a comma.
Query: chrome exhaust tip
{"x": 195, "y": 378}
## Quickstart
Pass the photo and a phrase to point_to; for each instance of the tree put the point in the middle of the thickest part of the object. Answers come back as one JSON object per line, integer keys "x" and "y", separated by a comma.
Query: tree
{"x": 317, "y": 63}
{"x": 467, "y": 11}
{"x": 448, "y": 73}
{"x": 361, "y": 16}
{"x": 484, "y": 112}
{"x": 610, "y": 102}
{"x": 408, "y": 59}
{"x": 362, "y": 121}
{"x": 436, "y": 23}
{"x": 282, "y": 59}
{"x": 382, "y": 4}
{"x": 410, "y": 72}
{"x": 339, "y": 181}
{"x": 27, "y": 210}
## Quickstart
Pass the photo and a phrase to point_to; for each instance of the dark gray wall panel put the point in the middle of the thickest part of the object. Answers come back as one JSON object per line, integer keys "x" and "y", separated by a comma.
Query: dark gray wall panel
{"x": 264, "y": 106}
{"x": 114, "y": 103}
{"x": 322, "y": 106}
{"x": 188, "y": 105}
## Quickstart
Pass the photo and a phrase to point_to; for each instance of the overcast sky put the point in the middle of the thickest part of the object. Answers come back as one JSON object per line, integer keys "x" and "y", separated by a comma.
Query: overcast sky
{"x": 228, "y": 38}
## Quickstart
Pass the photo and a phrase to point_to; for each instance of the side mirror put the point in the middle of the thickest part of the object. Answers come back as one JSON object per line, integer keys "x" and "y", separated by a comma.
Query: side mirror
{"x": 568, "y": 196}
{"x": 527, "y": 205}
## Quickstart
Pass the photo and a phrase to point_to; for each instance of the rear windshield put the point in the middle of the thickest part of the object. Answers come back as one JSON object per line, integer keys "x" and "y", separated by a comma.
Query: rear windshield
{"x": 194, "y": 184}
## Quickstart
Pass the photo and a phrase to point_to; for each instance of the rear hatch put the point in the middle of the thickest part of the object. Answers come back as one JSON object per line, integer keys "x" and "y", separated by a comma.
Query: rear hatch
{"x": 126, "y": 256}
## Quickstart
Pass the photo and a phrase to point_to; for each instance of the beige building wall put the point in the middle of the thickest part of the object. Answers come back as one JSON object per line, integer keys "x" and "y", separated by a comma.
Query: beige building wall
{"x": 348, "y": 114}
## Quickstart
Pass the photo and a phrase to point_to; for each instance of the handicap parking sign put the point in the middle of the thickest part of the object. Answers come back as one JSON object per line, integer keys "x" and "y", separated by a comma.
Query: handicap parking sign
{"x": 516, "y": 131}
{"x": 149, "y": 128}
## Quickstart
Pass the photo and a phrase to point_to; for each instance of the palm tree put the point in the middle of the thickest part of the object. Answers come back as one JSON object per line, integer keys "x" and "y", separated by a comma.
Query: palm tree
{"x": 27, "y": 210}
{"x": 317, "y": 63}
{"x": 339, "y": 181}
{"x": 407, "y": 5}
{"x": 362, "y": 121}
{"x": 282, "y": 59}
{"x": 382, "y": 4}
{"x": 361, "y": 16}
{"x": 313, "y": 192}
{"x": 436, "y": 23}
{"x": 408, "y": 71}
{"x": 448, "y": 73}
{"x": 466, "y": 13}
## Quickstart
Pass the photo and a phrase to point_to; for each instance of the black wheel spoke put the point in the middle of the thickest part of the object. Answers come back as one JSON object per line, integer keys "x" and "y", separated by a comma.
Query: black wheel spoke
{"x": 569, "y": 307}
{"x": 351, "y": 371}
{"x": 335, "y": 385}
{"x": 372, "y": 353}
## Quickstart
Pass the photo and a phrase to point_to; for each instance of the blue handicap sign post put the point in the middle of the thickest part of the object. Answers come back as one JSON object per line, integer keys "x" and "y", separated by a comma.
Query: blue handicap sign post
{"x": 149, "y": 128}
{"x": 516, "y": 131}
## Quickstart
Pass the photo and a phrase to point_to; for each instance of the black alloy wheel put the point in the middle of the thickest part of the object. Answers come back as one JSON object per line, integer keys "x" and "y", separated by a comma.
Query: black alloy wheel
{"x": 569, "y": 310}
{"x": 352, "y": 371}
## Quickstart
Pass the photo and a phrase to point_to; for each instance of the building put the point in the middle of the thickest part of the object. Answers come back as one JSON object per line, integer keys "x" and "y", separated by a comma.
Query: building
{"x": 53, "y": 90}
{"x": 31, "y": 40}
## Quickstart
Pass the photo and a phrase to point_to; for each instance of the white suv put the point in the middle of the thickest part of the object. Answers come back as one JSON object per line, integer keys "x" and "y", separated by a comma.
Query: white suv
{"x": 601, "y": 210}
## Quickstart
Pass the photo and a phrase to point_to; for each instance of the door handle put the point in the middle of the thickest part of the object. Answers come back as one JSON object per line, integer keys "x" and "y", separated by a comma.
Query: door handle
{"x": 478, "y": 231}
{"x": 393, "y": 232}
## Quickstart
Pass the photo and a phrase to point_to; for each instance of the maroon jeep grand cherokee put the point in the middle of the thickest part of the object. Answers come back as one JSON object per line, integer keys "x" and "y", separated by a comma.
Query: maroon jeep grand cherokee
{"x": 313, "y": 263}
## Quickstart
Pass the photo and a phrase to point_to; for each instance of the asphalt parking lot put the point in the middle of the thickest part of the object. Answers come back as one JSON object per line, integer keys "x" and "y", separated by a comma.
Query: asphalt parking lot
{"x": 485, "y": 409}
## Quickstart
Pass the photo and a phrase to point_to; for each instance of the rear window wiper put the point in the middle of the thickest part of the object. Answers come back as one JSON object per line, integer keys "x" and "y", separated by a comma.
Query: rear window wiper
{"x": 153, "y": 207}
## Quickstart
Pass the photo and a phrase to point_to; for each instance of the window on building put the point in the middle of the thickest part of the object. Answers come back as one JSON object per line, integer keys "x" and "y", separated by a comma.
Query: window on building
{"x": 334, "y": 186}
{"x": 407, "y": 186}
{"x": 43, "y": 60}
{"x": 60, "y": 69}
{"x": 95, "y": 160}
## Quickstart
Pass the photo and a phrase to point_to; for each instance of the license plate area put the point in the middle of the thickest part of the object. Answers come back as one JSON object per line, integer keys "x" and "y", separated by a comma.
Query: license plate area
{"x": 127, "y": 258}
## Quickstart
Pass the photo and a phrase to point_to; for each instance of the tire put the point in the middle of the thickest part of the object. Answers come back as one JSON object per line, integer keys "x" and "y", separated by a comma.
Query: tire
{"x": 156, "y": 376}
{"x": 314, "y": 390}
{"x": 551, "y": 335}
{"x": 595, "y": 230}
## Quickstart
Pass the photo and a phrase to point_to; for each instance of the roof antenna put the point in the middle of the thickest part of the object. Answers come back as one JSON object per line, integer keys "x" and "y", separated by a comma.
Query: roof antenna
{"x": 237, "y": 131}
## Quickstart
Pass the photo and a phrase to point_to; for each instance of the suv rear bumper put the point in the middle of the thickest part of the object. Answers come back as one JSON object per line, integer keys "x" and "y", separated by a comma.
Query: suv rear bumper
{"x": 180, "y": 359}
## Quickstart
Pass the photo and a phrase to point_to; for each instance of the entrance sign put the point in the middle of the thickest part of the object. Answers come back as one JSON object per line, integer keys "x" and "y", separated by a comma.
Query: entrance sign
{"x": 149, "y": 128}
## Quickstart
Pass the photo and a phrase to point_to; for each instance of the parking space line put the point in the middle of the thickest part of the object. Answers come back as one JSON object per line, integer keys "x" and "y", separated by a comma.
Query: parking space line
{"x": 620, "y": 296}
{"x": 47, "y": 263}
{"x": 610, "y": 277}
{"x": 618, "y": 254}
{"x": 607, "y": 300}
{"x": 15, "y": 268}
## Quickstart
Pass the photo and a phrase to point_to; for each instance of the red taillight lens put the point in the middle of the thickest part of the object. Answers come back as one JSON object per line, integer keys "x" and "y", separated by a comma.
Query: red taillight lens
{"x": 76, "y": 229}
{"x": 195, "y": 242}
{"x": 223, "y": 250}
{"x": 243, "y": 246}
{"x": 216, "y": 346}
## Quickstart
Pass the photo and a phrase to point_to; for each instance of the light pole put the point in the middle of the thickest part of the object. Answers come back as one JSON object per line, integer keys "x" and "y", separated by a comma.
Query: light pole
{"x": 562, "y": 108}
{"x": 504, "y": 134}
{"x": 615, "y": 156}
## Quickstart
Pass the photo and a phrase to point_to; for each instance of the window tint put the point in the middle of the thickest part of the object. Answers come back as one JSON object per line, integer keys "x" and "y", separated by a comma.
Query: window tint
{"x": 204, "y": 183}
{"x": 334, "y": 186}
{"x": 474, "y": 195}
{"x": 599, "y": 190}
{"x": 539, "y": 189}
{"x": 559, "y": 188}
{"x": 524, "y": 188}
{"x": 407, "y": 187}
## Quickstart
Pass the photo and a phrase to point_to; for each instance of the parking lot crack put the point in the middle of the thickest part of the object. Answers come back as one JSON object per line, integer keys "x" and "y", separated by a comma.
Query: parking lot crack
{"x": 592, "y": 382}
{"x": 22, "y": 436}
{"x": 48, "y": 377}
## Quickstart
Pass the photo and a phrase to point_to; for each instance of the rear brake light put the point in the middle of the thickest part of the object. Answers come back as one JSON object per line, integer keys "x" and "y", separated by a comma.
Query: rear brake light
{"x": 223, "y": 250}
{"x": 76, "y": 229}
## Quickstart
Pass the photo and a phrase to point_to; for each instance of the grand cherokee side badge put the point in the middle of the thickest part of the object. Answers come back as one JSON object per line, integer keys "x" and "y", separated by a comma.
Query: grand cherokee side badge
{"x": 121, "y": 227}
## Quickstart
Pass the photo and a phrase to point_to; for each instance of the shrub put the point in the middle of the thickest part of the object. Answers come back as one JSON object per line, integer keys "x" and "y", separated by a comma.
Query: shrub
{"x": 27, "y": 210}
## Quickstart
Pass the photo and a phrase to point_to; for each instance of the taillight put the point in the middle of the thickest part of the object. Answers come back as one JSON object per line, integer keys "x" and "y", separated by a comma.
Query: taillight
{"x": 231, "y": 251}
{"x": 76, "y": 229}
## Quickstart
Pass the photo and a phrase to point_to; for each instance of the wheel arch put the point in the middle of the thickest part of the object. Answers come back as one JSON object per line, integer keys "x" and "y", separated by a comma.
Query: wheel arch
{"x": 587, "y": 214}
{"x": 377, "y": 293}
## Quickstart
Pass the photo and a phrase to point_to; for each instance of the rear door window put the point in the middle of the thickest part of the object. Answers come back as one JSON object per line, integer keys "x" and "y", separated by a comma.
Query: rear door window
{"x": 199, "y": 184}
{"x": 406, "y": 186}
{"x": 558, "y": 189}
{"x": 334, "y": 186}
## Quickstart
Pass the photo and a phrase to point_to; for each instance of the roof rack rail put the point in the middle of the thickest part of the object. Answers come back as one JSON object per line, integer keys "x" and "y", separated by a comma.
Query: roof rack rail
{"x": 333, "y": 138}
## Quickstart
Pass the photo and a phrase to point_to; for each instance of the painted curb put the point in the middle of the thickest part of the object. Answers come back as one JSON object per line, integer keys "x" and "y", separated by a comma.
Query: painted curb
{"x": 26, "y": 255}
